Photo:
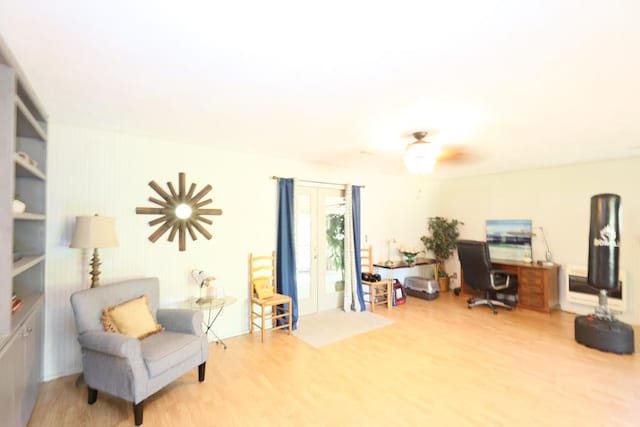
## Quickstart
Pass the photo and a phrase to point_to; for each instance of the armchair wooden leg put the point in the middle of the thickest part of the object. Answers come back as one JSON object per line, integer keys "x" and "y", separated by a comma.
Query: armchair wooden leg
{"x": 137, "y": 412}
{"x": 201, "y": 369}
{"x": 93, "y": 395}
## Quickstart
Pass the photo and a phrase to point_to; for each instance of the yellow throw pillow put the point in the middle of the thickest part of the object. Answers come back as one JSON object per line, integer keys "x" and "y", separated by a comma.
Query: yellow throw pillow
{"x": 133, "y": 318}
{"x": 263, "y": 287}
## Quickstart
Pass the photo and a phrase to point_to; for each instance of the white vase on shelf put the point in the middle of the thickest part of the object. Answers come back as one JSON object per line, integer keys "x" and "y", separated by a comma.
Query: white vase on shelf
{"x": 18, "y": 206}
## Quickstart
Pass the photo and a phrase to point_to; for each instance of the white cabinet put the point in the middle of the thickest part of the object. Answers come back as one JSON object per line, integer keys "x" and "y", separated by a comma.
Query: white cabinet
{"x": 23, "y": 165}
{"x": 21, "y": 369}
{"x": 10, "y": 362}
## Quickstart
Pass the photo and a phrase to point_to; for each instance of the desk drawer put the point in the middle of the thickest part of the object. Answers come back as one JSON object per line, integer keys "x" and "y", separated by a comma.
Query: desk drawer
{"x": 511, "y": 269}
{"x": 532, "y": 300}
{"x": 530, "y": 288}
{"x": 530, "y": 277}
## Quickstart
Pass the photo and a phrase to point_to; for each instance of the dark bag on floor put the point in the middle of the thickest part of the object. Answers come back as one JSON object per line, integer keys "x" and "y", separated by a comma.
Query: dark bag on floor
{"x": 399, "y": 294}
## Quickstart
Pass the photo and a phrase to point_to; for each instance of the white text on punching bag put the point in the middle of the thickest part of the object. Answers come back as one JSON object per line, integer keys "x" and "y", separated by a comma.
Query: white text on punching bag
{"x": 607, "y": 237}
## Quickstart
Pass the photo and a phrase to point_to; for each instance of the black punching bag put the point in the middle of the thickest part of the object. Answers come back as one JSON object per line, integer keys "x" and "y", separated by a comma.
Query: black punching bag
{"x": 604, "y": 241}
{"x": 601, "y": 330}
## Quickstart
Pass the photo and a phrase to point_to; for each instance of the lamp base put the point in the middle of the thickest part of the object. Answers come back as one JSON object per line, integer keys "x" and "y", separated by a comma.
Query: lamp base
{"x": 95, "y": 271}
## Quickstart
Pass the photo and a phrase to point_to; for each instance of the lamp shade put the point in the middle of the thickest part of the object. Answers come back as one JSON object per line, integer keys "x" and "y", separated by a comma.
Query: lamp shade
{"x": 94, "y": 232}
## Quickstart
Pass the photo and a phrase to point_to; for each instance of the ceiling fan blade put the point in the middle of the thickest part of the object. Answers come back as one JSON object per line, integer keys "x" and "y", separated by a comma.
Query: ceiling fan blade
{"x": 455, "y": 154}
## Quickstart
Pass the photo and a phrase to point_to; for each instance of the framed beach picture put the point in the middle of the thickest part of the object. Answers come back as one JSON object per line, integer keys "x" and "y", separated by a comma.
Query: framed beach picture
{"x": 509, "y": 239}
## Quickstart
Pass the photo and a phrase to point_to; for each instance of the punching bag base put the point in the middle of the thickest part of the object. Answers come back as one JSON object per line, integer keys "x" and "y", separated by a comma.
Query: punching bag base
{"x": 607, "y": 335}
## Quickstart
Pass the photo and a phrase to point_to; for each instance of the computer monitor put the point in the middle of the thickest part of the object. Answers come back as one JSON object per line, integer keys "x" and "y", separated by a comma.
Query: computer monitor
{"x": 509, "y": 239}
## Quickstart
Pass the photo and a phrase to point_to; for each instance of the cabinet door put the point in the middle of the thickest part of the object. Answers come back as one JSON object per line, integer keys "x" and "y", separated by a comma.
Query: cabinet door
{"x": 11, "y": 361}
{"x": 21, "y": 371}
{"x": 32, "y": 334}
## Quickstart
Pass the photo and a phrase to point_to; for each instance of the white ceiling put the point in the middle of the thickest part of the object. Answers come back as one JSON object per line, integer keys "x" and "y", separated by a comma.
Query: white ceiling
{"x": 519, "y": 84}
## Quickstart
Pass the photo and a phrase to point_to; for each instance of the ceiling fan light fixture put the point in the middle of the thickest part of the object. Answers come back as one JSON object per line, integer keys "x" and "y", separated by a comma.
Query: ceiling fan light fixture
{"x": 420, "y": 156}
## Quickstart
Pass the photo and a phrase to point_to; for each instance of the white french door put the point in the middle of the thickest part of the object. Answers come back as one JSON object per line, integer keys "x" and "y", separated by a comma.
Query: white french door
{"x": 319, "y": 219}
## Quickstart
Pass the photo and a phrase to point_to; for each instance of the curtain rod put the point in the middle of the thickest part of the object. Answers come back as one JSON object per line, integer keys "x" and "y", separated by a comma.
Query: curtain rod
{"x": 319, "y": 182}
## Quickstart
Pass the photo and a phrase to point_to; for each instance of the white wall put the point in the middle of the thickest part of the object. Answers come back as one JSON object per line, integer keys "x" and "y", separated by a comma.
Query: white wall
{"x": 557, "y": 199}
{"x": 94, "y": 171}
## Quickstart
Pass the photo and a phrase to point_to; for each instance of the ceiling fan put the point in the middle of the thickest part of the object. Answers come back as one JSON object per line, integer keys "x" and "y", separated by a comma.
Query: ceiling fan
{"x": 420, "y": 156}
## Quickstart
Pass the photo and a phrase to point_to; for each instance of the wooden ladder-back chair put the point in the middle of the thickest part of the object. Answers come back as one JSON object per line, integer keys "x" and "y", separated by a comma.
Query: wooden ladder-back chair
{"x": 378, "y": 292}
{"x": 262, "y": 288}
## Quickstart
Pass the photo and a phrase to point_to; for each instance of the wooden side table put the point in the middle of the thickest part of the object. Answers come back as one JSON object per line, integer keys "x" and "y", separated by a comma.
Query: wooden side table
{"x": 380, "y": 290}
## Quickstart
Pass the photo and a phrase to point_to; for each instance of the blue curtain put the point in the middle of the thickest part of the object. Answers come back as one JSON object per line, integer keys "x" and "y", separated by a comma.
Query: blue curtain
{"x": 286, "y": 254}
{"x": 355, "y": 193}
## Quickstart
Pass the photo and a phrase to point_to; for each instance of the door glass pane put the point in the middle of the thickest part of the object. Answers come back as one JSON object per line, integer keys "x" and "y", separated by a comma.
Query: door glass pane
{"x": 303, "y": 245}
{"x": 334, "y": 244}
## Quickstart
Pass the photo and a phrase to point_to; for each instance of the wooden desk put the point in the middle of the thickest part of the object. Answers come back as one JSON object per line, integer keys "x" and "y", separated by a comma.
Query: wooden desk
{"x": 537, "y": 284}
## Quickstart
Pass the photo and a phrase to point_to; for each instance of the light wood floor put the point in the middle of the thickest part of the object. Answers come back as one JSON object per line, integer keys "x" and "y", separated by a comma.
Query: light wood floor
{"x": 439, "y": 364}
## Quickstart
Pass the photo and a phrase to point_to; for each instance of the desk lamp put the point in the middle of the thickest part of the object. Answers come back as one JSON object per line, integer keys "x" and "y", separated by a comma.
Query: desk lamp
{"x": 94, "y": 232}
{"x": 547, "y": 255}
{"x": 203, "y": 281}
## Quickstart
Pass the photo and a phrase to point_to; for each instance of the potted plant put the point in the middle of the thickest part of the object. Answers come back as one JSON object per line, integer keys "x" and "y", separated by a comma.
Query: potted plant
{"x": 335, "y": 243}
{"x": 442, "y": 241}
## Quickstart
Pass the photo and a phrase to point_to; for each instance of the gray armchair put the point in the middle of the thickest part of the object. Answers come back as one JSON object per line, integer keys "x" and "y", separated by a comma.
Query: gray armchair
{"x": 127, "y": 367}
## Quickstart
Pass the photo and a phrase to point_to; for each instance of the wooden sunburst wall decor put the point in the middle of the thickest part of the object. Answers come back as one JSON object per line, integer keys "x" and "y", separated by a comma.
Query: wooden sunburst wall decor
{"x": 179, "y": 212}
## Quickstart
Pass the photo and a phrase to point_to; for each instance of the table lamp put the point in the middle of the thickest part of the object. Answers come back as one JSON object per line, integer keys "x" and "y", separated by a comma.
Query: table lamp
{"x": 93, "y": 232}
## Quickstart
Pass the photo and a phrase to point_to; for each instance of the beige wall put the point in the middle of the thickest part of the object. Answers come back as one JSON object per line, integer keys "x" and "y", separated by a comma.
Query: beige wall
{"x": 94, "y": 171}
{"x": 557, "y": 199}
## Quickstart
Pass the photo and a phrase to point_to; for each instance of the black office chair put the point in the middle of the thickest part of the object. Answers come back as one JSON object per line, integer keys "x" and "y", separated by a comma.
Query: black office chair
{"x": 478, "y": 273}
